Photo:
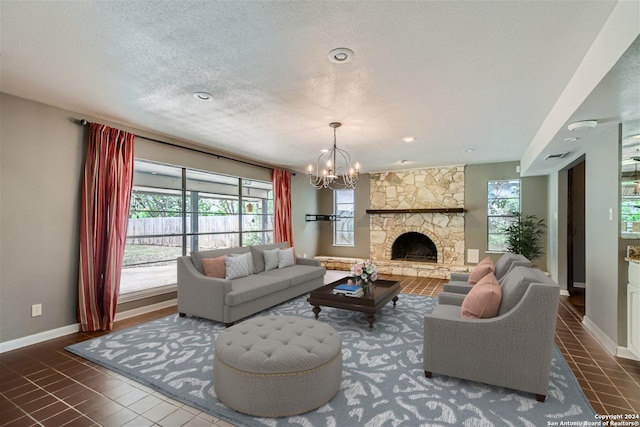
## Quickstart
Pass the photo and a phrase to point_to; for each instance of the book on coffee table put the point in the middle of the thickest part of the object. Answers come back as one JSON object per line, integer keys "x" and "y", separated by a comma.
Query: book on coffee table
{"x": 348, "y": 290}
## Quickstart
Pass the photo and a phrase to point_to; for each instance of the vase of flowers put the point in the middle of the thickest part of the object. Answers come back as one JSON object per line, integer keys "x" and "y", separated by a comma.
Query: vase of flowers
{"x": 364, "y": 274}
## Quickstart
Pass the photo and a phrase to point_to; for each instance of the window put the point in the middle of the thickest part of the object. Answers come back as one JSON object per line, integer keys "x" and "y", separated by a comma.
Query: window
{"x": 630, "y": 213}
{"x": 503, "y": 205}
{"x": 343, "y": 208}
{"x": 175, "y": 210}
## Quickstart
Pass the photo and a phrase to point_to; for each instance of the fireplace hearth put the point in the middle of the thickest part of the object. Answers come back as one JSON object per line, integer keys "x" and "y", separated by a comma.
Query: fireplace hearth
{"x": 415, "y": 247}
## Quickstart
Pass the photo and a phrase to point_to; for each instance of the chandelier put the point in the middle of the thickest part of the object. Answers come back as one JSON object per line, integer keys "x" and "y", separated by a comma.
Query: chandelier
{"x": 334, "y": 168}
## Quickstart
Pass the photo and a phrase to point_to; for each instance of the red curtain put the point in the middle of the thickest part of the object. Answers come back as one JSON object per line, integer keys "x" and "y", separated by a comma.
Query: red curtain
{"x": 104, "y": 213}
{"x": 282, "y": 222}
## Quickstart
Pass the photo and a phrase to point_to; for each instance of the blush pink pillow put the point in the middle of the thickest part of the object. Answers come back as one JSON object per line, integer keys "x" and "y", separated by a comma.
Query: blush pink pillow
{"x": 483, "y": 268}
{"x": 214, "y": 267}
{"x": 483, "y": 300}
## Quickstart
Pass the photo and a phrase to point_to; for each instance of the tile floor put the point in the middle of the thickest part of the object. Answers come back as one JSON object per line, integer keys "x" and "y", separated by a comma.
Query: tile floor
{"x": 43, "y": 385}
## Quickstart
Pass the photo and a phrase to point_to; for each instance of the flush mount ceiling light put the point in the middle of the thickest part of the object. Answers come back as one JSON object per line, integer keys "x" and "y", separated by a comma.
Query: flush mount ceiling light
{"x": 341, "y": 55}
{"x": 202, "y": 96}
{"x": 573, "y": 138}
{"x": 337, "y": 171}
{"x": 469, "y": 150}
{"x": 408, "y": 139}
{"x": 584, "y": 124}
{"x": 635, "y": 137}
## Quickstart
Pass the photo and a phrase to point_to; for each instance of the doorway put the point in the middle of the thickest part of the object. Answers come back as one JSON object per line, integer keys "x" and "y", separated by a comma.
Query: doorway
{"x": 576, "y": 271}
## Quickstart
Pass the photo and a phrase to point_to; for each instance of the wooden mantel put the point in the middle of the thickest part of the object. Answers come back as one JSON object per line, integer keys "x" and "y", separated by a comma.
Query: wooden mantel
{"x": 423, "y": 210}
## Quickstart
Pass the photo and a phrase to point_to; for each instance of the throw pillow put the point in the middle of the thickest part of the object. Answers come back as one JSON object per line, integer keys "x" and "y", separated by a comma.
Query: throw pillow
{"x": 483, "y": 268}
{"x": 483, "y": 300}
{"x": 285, "y": 258}
{"x": 270, "y": 259}
{"x": 236, "y": 267}
{"x": 249, "y": 260}
{"x": 214, "y": 267}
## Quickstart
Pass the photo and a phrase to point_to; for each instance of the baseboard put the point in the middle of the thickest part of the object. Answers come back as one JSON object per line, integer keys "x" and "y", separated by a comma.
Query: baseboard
{"x": 625, "y": 353}
{"x": 38, "y": 338}
{"x": 72, "y": 329}
{"x": 600, "y": 336}
{"x": 146, "y": 309}
{"x": 564, "y": 292}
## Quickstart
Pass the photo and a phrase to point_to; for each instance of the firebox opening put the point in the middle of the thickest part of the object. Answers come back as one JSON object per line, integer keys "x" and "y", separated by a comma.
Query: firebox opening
{"x": 413, "y": 246}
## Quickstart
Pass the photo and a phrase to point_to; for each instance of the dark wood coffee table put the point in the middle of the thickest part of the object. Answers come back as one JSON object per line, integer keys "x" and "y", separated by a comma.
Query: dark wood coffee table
{"x": 383, "y": 292}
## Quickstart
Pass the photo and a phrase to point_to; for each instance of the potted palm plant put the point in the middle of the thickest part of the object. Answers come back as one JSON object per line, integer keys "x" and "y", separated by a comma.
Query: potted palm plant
{"x": 524, "y": 236}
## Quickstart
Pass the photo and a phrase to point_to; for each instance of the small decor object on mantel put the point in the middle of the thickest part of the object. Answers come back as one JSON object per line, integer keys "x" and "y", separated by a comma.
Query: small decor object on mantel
{"x": 364, "y": 274}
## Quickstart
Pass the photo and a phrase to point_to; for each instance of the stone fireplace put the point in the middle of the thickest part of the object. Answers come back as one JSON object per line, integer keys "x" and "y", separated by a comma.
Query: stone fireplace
{"x": 421, "y": 202}
{"x": 404, "y": 204}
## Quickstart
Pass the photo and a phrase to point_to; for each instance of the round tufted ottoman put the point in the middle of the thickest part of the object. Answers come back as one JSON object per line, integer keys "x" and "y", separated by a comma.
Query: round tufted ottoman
{"x": 277, "y": 366}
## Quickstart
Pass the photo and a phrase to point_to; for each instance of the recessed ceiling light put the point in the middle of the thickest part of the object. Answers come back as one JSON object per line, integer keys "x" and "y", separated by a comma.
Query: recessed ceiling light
{"x": 341, "y": 55}
{"x": 573, "y": 138}
{"x": 584, "y": 124}
{"x": 202, "y": 96}
{"x": 469, "y": 150}
{"x": 635, "y": 137}
{"x": 408, "y": 139}
{"x": 324, "y": 150}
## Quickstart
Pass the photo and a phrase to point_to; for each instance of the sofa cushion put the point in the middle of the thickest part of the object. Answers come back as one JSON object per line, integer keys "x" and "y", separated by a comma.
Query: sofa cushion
{"x": 236, "y": 267}
{"x": 248, "y": 258}
{"x": 286, "y": 258}
{"x": 258, "y": 257}
{"x": 296, "y": 274}
{"x": 214, "y": 267}
{"x": 446, "y": 311}
{"x": 196, "y": 256}
{"x": 483, "y": 300}
{"x": 270, "y": 259}
{"x": 252, "y": 287}
{"x": 483, "y": 268}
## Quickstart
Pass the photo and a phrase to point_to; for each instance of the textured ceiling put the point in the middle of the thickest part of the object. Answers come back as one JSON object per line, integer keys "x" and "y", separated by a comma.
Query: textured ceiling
{"x": 453, "y": 74}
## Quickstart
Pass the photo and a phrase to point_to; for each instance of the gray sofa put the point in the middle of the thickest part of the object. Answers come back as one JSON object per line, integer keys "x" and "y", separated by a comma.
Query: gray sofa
{"x": 227, "y": 301}
{"x": 510, "y": 350}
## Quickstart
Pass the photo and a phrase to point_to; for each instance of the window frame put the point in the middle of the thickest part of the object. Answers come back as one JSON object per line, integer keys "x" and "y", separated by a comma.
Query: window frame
{"x": 194, "y": 186}
{"x": 339, "y": 218}
{"x": 512, "y": 216}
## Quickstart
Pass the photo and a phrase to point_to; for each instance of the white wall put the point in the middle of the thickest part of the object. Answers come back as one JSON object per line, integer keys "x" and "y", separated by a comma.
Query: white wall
{"x": 602, "y": 182}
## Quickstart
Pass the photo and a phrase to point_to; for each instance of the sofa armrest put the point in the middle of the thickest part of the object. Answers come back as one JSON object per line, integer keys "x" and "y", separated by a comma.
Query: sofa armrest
{"x": 458, "y": 277}
{"x": 451, "y": 298}
{"x": 457, "y": 287}
{"x": 198, "y": 294}
{"x": 308, "y": 261}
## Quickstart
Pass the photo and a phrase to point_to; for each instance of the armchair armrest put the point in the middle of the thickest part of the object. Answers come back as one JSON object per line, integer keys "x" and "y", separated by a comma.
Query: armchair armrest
{"x": 457, "y": 287}
{"x": 458, "y": 277}
{"x": 451, "y": 298}
{"x": 308, "y": 261}
{"x": 198, "y": 294}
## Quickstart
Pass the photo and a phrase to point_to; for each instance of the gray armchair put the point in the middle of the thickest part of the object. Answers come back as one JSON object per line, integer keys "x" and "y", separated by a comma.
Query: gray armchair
{"x": 511, "y": 350}
{"x": 458, "y": 281}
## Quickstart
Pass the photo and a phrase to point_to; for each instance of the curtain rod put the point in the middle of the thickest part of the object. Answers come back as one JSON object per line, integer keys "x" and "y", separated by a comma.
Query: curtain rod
{"x": 84, "y": 122}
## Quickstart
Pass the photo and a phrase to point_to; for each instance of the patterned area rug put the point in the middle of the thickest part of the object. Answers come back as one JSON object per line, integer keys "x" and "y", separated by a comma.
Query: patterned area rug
{"x": 383, "y": 383}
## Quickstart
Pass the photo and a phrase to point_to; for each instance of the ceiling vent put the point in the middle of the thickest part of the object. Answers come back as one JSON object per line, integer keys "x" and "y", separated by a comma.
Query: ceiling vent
{"x": 556, "y": 156}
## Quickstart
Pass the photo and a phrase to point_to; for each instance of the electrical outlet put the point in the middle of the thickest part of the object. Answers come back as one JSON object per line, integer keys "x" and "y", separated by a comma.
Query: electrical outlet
{"x": 36, "y": 310}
